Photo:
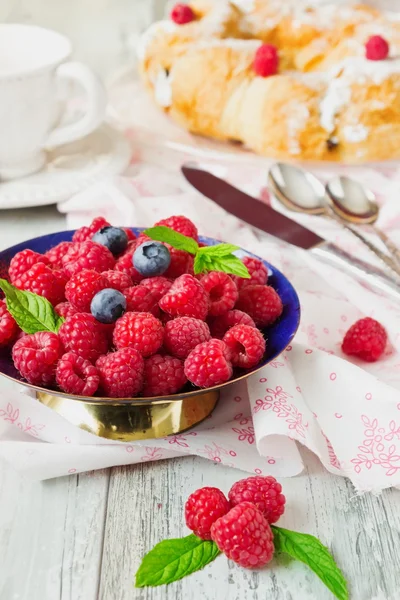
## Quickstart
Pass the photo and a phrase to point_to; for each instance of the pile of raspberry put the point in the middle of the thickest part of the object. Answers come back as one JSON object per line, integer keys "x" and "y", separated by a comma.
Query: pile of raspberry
{"x": 172, "y": 328}
{"x": 240, "y": 525}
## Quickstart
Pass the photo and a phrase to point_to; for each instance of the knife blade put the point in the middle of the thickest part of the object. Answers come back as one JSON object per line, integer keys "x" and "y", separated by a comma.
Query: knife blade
{"x": 265, "y": 218}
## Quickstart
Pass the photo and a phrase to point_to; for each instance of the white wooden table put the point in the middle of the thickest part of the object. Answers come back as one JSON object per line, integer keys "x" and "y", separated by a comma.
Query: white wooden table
{"x": 82, "y": 537}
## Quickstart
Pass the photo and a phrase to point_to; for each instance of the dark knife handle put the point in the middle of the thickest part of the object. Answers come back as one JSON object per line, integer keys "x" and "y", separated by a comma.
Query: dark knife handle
{"x": 375, "y": 278}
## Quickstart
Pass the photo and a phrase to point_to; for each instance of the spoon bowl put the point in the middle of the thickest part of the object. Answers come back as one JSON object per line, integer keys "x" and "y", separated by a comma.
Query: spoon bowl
{"x": 297, "y": 189}
{"x": 352, "y": 201}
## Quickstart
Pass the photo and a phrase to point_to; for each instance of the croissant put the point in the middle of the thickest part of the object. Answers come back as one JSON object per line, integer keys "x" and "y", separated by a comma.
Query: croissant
{"x": 327, "y": 102}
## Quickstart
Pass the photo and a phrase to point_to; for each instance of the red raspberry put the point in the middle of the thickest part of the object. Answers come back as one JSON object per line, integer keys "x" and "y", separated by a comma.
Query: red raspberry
{"x": 65, "y": 309}
{"x": 86, "y": 233}
{"x": 203, "y": 508}
{"x": 186, "y": 298}
{"x": 41, "y": 280}
{"x": 125, "y": 265}
{"x": 261, "y": 302}
{"x": 23, "y": 261}
{"x": 117, "y": 280}
{"x": 8, "y": 327}
{"x": 222, "y": 290}
{"x": 220, "y": 325}
{"x": 84, "y": 336}
{"x": 76, "y": 375}
{"x": 180, "y": 224}
{"x": 366, "y": 339}
{"x": 376, "y": 48}
{"x": 130, "y": 234}
{"x": 141, "y": 299}
{"x": 35, "y": 356}
{"x": 182, "y": 14}
{"x": 141, "y": 239}
{"x": 264, "y": 492}
{"x": 158, "y": 285}
{"x": 82, "y": 287}
{"x": 141, "y": 331}
{"x": 182, "y": 335}
{"x": 246, "y": 344}
{"x": 163, "y": 375}
{"x": 209, "y": 364}
{"x": 56, "y": 254}
{"x": 257, "y": 270}
{"x": 121, "y": 373}
{"x": 180, "y": 263}
{"x": 266, "y": 61}
{"x": 88, "y": 255}
{"x": 244, "y": 536}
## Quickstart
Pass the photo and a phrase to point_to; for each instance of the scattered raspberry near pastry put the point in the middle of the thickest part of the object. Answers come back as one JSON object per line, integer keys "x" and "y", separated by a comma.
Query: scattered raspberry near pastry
{"x": 366, "y": 339}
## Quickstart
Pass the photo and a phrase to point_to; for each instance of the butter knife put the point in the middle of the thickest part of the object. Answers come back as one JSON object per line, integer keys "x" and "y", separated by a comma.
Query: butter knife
{"x": 263, "y": 217}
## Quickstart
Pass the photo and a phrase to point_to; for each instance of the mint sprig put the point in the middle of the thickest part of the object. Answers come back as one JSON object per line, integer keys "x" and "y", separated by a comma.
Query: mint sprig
{"x": 32, "y": 313}
{"x": 171, "y": 560}
{"x": 208, "y": 258}
{"x": 309, "y": 550}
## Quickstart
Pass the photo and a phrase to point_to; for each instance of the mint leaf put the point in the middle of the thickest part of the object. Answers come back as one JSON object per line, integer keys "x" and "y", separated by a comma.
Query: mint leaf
{"x": 173, "y": 238}
{"x": 309, "y": 550}
{"x": 219, "y": 249}
{"x": 171, "y": 560}
{"x": 33, "y": 313}
{"x": 227, "y": 264}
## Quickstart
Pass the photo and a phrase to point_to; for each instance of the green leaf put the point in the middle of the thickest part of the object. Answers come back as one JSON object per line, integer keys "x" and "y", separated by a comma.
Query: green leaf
{"x": 227, "y": 264}
{"x": 171, "y": 560}
{"x": 173, "y": 238}
{"x": 33, "y": 313}
{"x": 309, "y": 550}
{"x": 219, "y": 249}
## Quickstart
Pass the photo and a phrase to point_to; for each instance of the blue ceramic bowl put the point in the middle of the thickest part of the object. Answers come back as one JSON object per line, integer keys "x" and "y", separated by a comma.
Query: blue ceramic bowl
{"x": 278, "y": 336}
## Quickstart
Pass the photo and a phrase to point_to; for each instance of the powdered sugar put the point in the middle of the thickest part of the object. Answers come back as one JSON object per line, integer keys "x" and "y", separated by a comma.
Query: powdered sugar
{"x": 298, "y": 115}
{"x": 163, "y": 89}
{"x": 355, "y": 133}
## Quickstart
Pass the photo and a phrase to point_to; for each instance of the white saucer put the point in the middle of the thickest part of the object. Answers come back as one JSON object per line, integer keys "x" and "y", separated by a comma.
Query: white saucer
{"x": 70, "y": 169}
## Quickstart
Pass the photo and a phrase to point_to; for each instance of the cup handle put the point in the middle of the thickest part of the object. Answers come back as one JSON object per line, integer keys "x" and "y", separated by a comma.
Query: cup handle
{"x": 96, "y": 110}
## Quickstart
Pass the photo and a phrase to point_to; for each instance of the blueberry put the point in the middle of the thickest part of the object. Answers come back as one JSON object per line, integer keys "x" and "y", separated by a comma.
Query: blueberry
{"x": 113, "y": 238}
{"x": 151, "y": 259}
{"x": 108, "y": 305}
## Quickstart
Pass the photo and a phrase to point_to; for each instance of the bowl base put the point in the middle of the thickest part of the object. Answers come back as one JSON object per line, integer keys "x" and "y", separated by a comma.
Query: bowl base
{"x": 137, "y": 421}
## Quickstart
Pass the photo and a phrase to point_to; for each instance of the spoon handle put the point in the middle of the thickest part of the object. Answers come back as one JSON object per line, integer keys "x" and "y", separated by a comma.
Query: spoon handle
{"x": 374, "y": 277}
{"x": 391, "y": 246}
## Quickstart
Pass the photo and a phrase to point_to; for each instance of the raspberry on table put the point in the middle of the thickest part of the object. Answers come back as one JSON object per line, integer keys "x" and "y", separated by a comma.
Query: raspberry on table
{"x": 244, "y": 536}
{"x": 83, "y": 335}
{"x": 261, "y": 302}
{"x": 180, "y": 262}
{"x": 376, "y": 48}
{"x": 158, "y": 285}
{"x": 43, "y": 281}
{"x": 8, "y": 327}
{"x": 266, "y": 61}
{"x": 183, "y": 334}
{"x": 264, "y": 492}
{"x": 182, "y": 14}
{"x": 139, "y": 330}
{"x": 65, "y": 309}
{"x": 203, "y": 508}
{"x": 125, "y": 265}
{"x": 140, "y": 299}
{"x": 88, "y": 255}
{"x": 86, "y": 233}
{"x": 163, "y": 375}
{"x": 117, "y": 280}
{"x": 220, "y": 325}
{"x": 56, "y": 254}
{"x": 366, "y": 339}
{"x": 121, "y": 373}
{"x": 23, "y": 261}
{"x": 180, "y": 224}
{"x": 36, "y": 356}
{"x": 246, "y": 344}
{"x": 209, "y": 364}
{"x": 82, "y": 287}
{"x": 186, "y": 298}
{"x": 76, "y": 375}
{"x": 257, "y": 270}
{"x": 222, "y": 290}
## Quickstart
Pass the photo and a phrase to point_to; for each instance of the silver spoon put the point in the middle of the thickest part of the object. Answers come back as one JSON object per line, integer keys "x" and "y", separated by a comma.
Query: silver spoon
{"x": 357, "y": 204}
{"x": 301, "y": 191}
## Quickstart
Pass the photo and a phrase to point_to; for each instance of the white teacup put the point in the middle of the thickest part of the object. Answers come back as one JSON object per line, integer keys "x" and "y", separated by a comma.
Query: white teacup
{"x": 32, "y": 61}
